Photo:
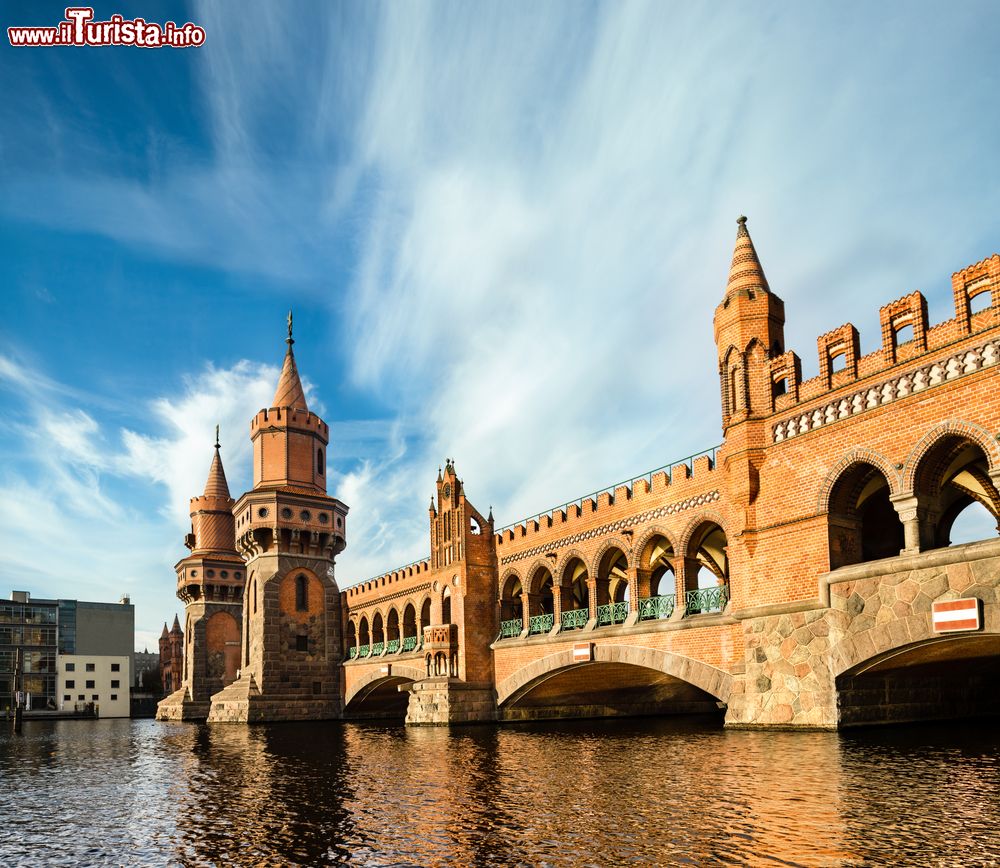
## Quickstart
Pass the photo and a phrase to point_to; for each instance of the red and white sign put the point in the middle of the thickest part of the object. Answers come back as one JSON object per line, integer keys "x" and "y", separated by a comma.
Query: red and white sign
{"x": 583, "y": 651}
{"x": 953, "y": 616}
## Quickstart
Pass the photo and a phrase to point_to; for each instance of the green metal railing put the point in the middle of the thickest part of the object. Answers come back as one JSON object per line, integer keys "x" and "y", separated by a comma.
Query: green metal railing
{"x": 409, "y": 643}
{"x": 706, "y": 600}
{"x": 512, "y": 628}
{"x": 392, "y": 646}
{"x": 612, "y": 613}
{"x": 364, "y": 650}
{"x": 689, "y": 460}
{"x": 574, "y": 619}
{"x": 352, "y": 652}
{"x": 540, "y": 624}
{"x": 378, "y": 648}
{"x": 652, "y": 608}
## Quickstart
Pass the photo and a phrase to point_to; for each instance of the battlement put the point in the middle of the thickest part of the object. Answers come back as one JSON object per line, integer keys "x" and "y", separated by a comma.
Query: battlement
{"x": 210, "y": 503}
{"x": 388, "y": 579}
{"x": 947, "y": 349}
{"x": 698, "y": 469}
{"x": 288, "y": 417}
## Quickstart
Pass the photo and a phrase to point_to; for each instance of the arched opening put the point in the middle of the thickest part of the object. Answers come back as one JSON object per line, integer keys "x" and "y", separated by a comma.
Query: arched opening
{"x": 707, "y": 590}
{"x": 378, "y": 634}
{"x": 409, "y": 628}
{"x": 352, "y": 640}
{"x": 949, "y": 677}
{"x": 446, "y": 607}
{"x": 541, "y": 602}
{"x": 960, "y": 503}
{"x": 364, "y": 638}
{"x": 301, "y": 593}
{"x": 600, "y": 689}
{"x": 657, "y": 583}
{"x": 980, "y": 302}
{"x": 392, "y": 632}
{"x": 382, "y": 699}
{"x": 575, "y": 595}
{"x": 425, "y": 617}
{"x": 511, "y": 607}
{"x": 612, "y": 588}
{"x": 320, "y": 463}
{"x": 863, "y": 524}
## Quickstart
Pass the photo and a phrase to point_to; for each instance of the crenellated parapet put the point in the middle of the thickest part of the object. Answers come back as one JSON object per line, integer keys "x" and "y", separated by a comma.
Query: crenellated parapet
{"x": 913, "y": 357}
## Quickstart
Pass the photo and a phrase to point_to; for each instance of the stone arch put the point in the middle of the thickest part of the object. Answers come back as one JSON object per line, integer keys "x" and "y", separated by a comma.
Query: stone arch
{"x": 951, "y": 428}
{"x": 861, "y": 455}
{"x": 563, "y": 562}
{"x": 505, "y": 577}
{"x": 706, "y": 516}
{"x": 371, "y": 680}
{"x": 530, "y": 583}
{"x": 613, "y": 542}
{"x": 713, "y": 681}
{"x": 647, "y": 537}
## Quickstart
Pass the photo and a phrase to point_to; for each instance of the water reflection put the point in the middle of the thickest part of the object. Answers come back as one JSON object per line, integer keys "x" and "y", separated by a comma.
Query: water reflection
{"x": 644, "y": 792}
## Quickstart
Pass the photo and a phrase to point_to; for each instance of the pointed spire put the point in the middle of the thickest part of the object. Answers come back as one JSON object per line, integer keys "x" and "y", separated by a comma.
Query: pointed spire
{"x": 177, "y": 625}
{"x": 216, "y": 485}
{"x": 289, "y": 392}
{"x": 439, "y": 474}
{"x": 165, "y": 632}
{"x": 745, "y": 273}
{"x": 489, "y": 518}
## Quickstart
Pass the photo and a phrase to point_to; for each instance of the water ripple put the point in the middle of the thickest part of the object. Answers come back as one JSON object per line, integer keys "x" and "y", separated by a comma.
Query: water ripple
{"x": 642, "y": 792}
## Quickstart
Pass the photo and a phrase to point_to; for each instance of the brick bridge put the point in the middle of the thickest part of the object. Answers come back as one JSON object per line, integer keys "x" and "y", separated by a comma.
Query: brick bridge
{"x": 784, "y": 578}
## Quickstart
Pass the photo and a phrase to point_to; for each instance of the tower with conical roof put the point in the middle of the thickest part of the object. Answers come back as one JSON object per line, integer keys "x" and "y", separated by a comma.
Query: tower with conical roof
{"x": 749, "y": 336}
{"x": 288, "y": 531}
{"x": 210, "y": 584}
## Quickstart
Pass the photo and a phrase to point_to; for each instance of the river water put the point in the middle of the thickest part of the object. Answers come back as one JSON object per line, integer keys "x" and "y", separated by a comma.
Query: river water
{"x": 639, "y": 792}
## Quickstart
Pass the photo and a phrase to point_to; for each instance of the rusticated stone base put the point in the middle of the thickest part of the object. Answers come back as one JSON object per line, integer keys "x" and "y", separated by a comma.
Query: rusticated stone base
{"x": 242, "y": 702}
{"x": 443, "y": 701}
{"x": 177, "y": 706}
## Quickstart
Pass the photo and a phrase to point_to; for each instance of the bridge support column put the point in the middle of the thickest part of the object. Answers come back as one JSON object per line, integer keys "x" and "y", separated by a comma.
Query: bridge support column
{"x": 685, "y": 579}
{"x": 444, "y": 701}
{"x": 910, "y": 514}
{"x": 638, "y": 587}
{"x": 530, "y": 604}
{"x": 592, "y": 602}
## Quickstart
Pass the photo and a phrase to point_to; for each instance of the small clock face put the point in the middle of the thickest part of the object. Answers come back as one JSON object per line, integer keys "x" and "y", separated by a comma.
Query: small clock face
{"x": 447, "y": 489}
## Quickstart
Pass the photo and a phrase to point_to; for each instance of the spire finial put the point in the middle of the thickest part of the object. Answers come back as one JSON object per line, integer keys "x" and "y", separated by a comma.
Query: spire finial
{"x": 741, "y": 219}
{"x": 217, "y": 444}
{"x": 289, "y": 339}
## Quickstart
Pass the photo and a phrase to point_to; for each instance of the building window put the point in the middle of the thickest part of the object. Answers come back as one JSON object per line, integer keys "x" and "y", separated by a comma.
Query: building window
{"x": 115, "y": 683}
{"x": 70, "y": 684}
{"x": 117, "y": 667}
{"x": 71, "y": 667}
{"x": 90, "y": 667}
{"x": 301, "y": 643}
{"x": 81, "y": 697}
{"x": 114, "y": 697}
{"x": 95, "y": 698}
{"x": 301, "y": 594}
{"x": 66, "y": 698}
{"x": 89, "y": 685}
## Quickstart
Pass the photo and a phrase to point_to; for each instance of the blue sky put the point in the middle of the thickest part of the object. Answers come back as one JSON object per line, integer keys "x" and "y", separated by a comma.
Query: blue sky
{"x": 503, "y": 230}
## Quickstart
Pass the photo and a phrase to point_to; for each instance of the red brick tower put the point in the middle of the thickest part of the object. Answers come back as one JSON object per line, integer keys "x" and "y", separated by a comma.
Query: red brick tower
{"x": 165, "y": 659}
{"x": 175, "y": 649}
{"x": 210, "y": 583}
{"x": 753, "y": 370}
{"x": 463, "y": 611}
{"x": 288, "y": 531}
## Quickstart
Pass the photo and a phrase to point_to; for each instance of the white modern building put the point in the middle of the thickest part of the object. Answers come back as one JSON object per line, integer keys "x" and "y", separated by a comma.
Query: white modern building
{"x": 102, "y": 679}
